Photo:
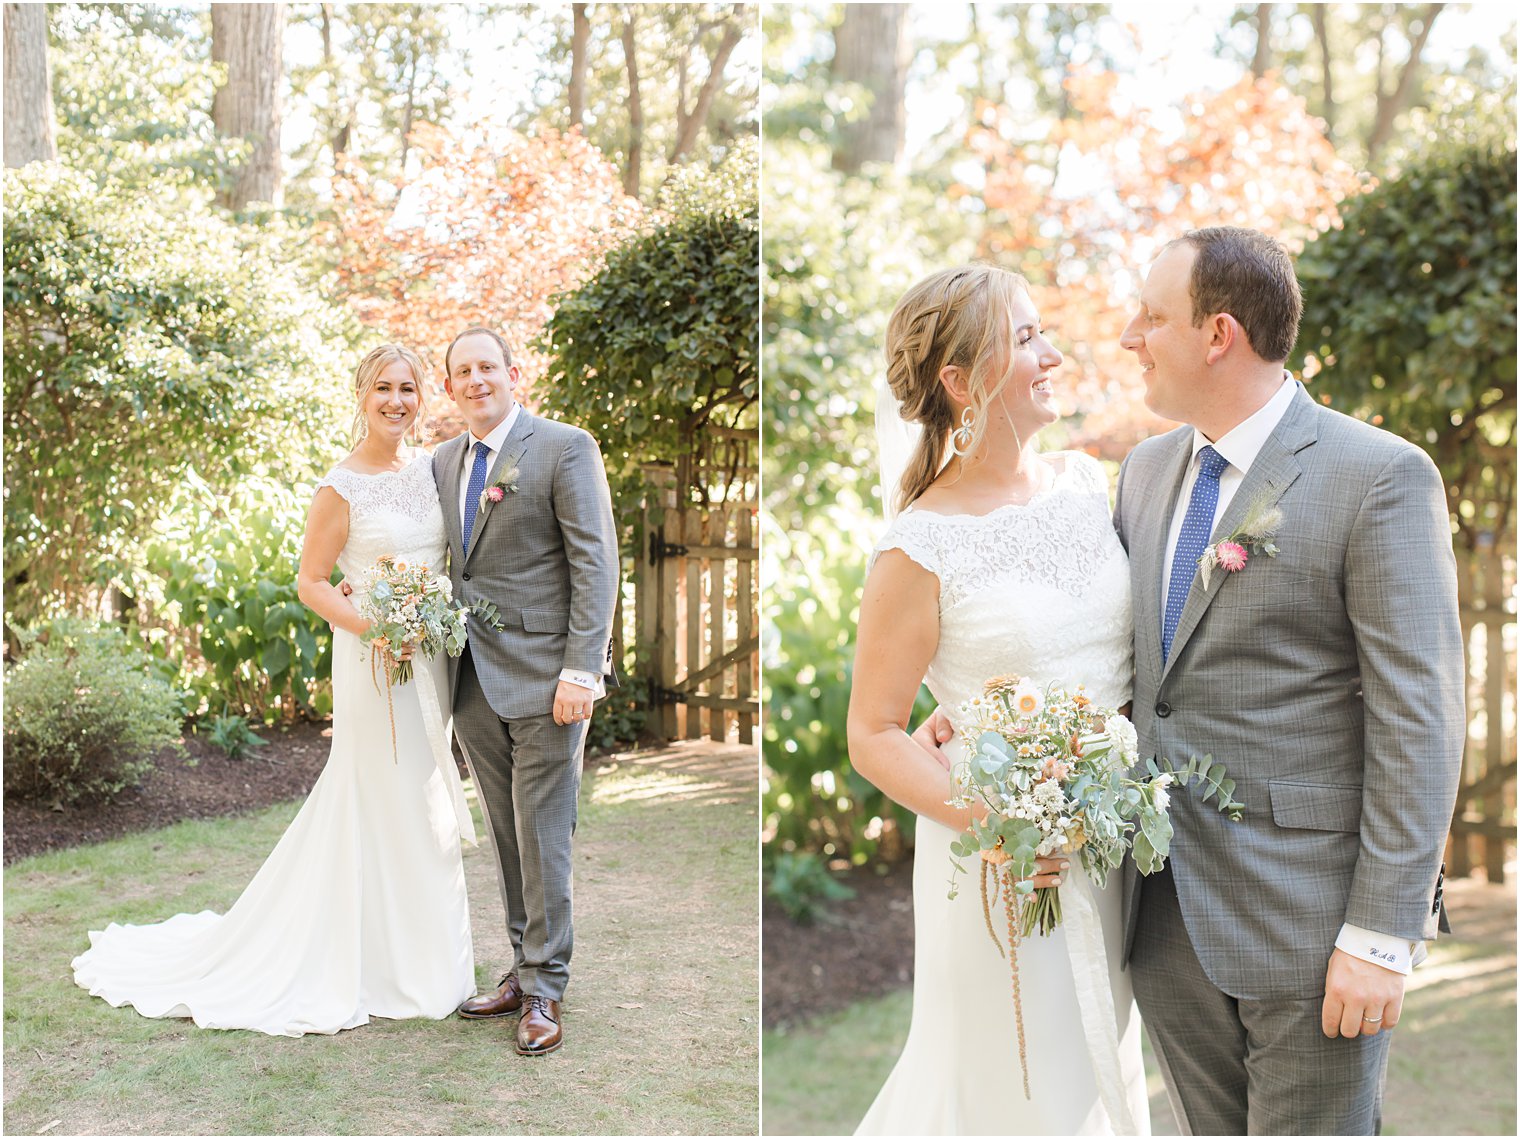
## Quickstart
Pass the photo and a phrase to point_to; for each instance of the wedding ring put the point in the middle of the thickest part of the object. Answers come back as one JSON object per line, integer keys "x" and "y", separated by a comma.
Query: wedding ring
{"x": 1372, "y": 1019}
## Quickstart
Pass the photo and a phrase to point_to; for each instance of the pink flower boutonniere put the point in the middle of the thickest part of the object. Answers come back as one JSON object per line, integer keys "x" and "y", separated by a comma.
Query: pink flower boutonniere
{"x": 503, "y": 486}
{"x": 1254, "y": 536}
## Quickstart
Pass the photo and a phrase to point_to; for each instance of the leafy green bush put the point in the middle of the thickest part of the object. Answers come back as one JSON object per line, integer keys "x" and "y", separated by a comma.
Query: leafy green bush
{"x": 232, "y": 734}
{"x": 148, "y": 340}
{"x": 1409, "y": 315}
{"x": 225, "y": 598}
{"x": 801, "y": 883}
{"x": 84, "y": 714}
{"x": 812, "y": 798}
{"x": 619, "y": 719}
{"x": 664, "y": 340}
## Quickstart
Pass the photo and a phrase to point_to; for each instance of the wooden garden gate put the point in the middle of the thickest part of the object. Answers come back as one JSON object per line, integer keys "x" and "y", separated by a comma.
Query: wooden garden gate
{"x": 697, "y": 599}
{"x": 1483, "y": 824}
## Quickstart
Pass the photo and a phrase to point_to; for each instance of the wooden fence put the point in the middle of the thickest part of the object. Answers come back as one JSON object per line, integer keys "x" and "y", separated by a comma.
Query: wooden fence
{"x": 696, "y": 595}
{"x": 1483, "y": 824}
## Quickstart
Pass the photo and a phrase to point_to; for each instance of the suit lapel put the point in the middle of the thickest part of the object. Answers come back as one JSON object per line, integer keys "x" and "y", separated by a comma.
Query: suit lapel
{"x": 511, "y": 453}
{"x": 1276, "y": 469}
{"x": 449, "y": 460}
{"x": 1150, "y": 554}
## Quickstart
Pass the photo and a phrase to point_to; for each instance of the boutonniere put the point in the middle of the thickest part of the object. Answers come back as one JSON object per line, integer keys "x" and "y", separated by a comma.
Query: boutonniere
{"x": 502, "y": 487}
{"x": 1254, "y": 536}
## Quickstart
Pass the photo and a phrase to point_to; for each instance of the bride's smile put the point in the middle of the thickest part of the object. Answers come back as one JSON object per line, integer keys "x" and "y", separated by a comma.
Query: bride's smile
{"x": 393, "y": 403}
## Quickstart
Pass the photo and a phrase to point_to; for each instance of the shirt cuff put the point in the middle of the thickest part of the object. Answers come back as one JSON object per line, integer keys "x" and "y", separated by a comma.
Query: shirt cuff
{"x": 589, "y": 680}
{"x": 1399, "y": 954}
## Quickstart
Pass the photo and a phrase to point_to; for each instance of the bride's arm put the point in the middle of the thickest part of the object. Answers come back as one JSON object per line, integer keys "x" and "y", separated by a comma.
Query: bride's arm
{"x": 895, "y": 641}
{"x": 326, "y": 533}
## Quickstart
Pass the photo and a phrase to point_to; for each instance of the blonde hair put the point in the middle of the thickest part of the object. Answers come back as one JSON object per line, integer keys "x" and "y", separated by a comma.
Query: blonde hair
{"x": 368, "y": 372}
{"x": 961, "y": 317}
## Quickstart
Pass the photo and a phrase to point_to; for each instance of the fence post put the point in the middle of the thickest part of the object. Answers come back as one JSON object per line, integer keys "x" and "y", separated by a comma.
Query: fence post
{"x": 656, "y": 652}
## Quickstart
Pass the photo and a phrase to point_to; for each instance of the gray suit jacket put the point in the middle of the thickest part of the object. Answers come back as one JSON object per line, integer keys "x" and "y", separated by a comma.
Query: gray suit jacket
{"x": 546, "y": 555}
{"x": 1330, "y": 682}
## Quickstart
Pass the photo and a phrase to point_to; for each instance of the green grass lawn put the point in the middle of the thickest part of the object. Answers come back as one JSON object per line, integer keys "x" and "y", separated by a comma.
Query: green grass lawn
{"x": 660, "y": 1019}
{"x": 1452, "y": 1069}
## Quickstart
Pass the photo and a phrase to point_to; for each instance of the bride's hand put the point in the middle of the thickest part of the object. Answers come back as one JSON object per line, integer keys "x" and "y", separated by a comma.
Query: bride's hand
{"x": 932, "y": 735}
{"x": 1050, "y": 871}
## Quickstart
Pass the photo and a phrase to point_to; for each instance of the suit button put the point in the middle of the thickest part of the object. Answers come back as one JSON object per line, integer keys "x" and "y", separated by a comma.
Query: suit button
{"x": 467, "y": 576}
{"x": 1163, "y": 709}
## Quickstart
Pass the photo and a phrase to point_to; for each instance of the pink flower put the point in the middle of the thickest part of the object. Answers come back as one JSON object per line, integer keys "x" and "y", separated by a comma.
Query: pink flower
{"x": 1231, "y": 556}
{"x": 496, "y": 494}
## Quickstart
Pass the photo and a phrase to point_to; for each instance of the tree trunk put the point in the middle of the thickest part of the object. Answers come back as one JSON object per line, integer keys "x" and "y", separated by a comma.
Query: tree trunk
{"x": 248, "y": 38}
{"x": 1261, "y": 62}
{"x": 635, "y": 108}
{"x": 689, "y": 126}
{"x": 1390, "y": 103}
{"x": 580, "y": 40}
{"x": 28, "y": 86}
{"x": 1327, "y": 69}
{"x": 871, "y": 50}
{"x": 410, "y": 113}
{"x": 342, "y": 135}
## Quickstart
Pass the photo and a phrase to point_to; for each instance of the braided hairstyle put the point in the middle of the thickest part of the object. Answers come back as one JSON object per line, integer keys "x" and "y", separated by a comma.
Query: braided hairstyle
{"x": 959, "y": 316}
{"x": 369, "y": 371}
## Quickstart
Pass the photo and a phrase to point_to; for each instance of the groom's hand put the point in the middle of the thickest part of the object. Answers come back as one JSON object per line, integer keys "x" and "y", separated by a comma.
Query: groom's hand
{"x": 1355, "y": 990}
{"x": 932, "y": 734}
{"x": 347, "y": 591}
{"x": 572, "y": 703}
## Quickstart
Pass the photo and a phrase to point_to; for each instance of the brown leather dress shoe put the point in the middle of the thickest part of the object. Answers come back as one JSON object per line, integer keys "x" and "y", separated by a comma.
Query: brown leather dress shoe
{"x": 538, "y": 1032}
{"x": 504, "y": 1000}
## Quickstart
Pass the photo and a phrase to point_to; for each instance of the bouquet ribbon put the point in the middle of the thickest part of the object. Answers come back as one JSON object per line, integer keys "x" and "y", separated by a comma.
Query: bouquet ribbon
{"x": 432, "y": 722}
{"x": 1095, "y": 997}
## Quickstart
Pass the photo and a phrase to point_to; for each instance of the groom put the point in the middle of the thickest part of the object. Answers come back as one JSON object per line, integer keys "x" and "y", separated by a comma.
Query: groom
{"x": 1269, "y": 958}
{"x": 530, "y": 529}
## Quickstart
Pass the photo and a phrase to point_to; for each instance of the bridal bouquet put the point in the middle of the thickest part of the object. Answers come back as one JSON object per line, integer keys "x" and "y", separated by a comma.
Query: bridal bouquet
{"x": 1052, "y": 770}
{"x": 408, "y": 604}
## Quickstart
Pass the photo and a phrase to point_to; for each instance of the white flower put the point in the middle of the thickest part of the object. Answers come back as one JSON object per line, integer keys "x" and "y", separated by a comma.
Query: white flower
{"x": 1159, "y": 798}
{"x": 1027, "y": 699}
{"x": 1125, "y": 738}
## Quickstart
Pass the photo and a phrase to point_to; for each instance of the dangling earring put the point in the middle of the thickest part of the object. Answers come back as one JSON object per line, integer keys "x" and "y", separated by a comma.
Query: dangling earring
{"x": 962, "y": 437}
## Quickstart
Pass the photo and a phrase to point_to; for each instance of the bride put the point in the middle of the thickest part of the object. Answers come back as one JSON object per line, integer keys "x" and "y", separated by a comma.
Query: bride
{"x": 360, "y": 910}
{"x": 1001, "y": 561}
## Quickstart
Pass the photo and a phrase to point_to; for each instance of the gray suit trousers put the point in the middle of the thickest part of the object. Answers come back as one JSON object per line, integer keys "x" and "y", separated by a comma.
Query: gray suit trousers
{"x": 1244, "y": 1067}
{"x": 527, "y": 773}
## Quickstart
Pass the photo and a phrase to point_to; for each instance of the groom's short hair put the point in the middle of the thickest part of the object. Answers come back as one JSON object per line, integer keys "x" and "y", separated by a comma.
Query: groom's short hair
{"x": 1250, "y": 276}
{"x": 477, "y": 330}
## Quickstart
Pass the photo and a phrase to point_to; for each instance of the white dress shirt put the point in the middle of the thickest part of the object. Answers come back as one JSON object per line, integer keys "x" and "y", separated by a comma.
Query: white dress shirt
{"x": 1239, "y": 447}
{"x": 495, "y": 441}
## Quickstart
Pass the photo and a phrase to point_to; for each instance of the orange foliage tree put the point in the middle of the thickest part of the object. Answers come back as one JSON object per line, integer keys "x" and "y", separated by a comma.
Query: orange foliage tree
{"x": 1082, "y": 204}
{"x": 493, "y": 226}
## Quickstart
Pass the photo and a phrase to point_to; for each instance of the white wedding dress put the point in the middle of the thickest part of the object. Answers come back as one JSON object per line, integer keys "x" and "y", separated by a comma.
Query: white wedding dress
{"x": 360, "y": 910}
{"x": 1039, "y": 590}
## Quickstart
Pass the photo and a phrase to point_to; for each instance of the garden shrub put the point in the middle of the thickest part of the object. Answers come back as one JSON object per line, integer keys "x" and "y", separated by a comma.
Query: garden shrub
{"x": 85, "y": 712}
{"x": 225, "y": 594}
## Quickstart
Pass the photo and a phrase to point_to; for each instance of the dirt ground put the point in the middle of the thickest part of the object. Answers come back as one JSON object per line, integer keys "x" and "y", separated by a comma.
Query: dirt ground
{"x": 861, "y": 947}
{"x": 214, "y": 786}
{"x": 203, "y": 785}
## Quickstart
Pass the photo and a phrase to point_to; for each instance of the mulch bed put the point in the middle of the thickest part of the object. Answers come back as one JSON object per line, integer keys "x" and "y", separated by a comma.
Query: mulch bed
{"x": 862, "y": 947}
{"x": 203, "y": 785}
{"x": 215, "y": 786}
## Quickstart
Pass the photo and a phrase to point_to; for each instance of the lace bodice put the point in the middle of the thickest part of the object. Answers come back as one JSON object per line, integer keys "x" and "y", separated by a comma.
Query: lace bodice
{"x": 395, "y": 512}
{"x": 1040, "y": 590}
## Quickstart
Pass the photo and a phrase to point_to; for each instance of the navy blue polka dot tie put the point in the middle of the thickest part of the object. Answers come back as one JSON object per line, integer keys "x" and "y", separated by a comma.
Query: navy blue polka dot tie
{"x": 477, "y": 487}
{"x": 1197, "y": 525}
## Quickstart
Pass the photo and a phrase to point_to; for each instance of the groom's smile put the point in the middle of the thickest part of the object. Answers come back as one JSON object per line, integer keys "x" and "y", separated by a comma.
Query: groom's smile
{"x": 480, "y": 381}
